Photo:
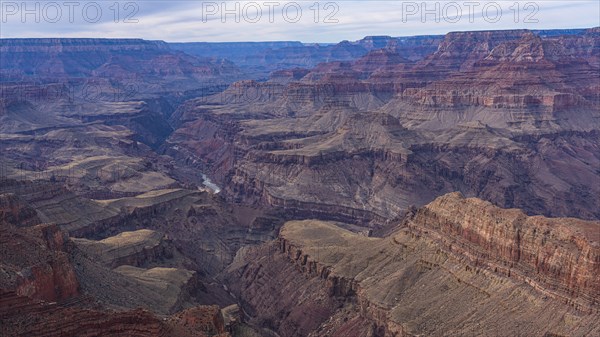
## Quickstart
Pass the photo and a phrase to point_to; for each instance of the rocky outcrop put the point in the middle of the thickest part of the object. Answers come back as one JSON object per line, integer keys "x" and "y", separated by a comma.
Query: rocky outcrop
{"x": 24, "y": 316}
{"x": 463, "y": 49}
{"x": 304, "y": 307}
{"x": 34, "y": 262}
{"x": 454, "y": 267}
{"x": 207, "y": 320}
{"x": 557, "y": 255}
{"x": 136, "y": 248}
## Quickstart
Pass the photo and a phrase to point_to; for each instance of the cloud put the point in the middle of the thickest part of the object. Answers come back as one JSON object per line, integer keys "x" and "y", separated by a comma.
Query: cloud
{"x": 327, "y": 21}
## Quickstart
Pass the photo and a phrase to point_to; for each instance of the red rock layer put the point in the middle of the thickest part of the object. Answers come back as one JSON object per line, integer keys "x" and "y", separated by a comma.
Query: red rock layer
{"x": 35, "y": 263}
{"x": 557, "y": 255}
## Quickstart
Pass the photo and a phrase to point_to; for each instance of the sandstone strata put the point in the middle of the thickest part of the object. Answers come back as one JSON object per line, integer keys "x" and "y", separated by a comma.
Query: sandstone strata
{"x": 457, "y": 266}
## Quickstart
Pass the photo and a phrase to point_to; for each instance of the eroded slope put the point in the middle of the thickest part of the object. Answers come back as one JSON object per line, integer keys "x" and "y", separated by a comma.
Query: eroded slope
{"x": 457, "y": 266}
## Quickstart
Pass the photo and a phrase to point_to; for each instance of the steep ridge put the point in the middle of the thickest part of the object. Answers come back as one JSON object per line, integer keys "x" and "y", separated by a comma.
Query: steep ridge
{"x": 560, "y": 254}
{"x": 481, "y": 271}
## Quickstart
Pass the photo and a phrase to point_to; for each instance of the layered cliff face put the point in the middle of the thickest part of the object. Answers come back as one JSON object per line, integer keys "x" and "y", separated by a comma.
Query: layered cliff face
{"x": 35, "y": 261}
{"x": 522, "y": 84}
{"x": 463, "y": 49}
{"x": 128, "y": 248}
{"x": 556, "y": 254}
{"x": 52, "y": 59}
{"x": 456, "y": 266}
{"x": 490, "y": 114}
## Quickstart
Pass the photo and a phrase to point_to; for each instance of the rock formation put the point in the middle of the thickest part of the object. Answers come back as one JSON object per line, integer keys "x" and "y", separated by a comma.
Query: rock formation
{"x": 491, "y": 114}
{"x": 145, "y": 185}
{"x": 455, "y": 266}
{"x": 34, "y": 262}
{"x": 43, "y": 290}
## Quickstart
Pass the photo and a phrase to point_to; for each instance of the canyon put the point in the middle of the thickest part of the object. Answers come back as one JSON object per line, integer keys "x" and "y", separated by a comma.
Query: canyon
{"x": 503, "y": 266}
{"x": 390, "y": 186}
{"x": 385, "y": 133}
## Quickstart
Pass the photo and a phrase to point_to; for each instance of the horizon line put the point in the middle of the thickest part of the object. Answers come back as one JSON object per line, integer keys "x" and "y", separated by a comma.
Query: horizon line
{"x": 267, "y": 41}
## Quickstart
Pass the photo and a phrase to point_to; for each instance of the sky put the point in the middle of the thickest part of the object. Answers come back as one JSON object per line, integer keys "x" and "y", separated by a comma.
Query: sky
{"x": 306, "y": 21}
